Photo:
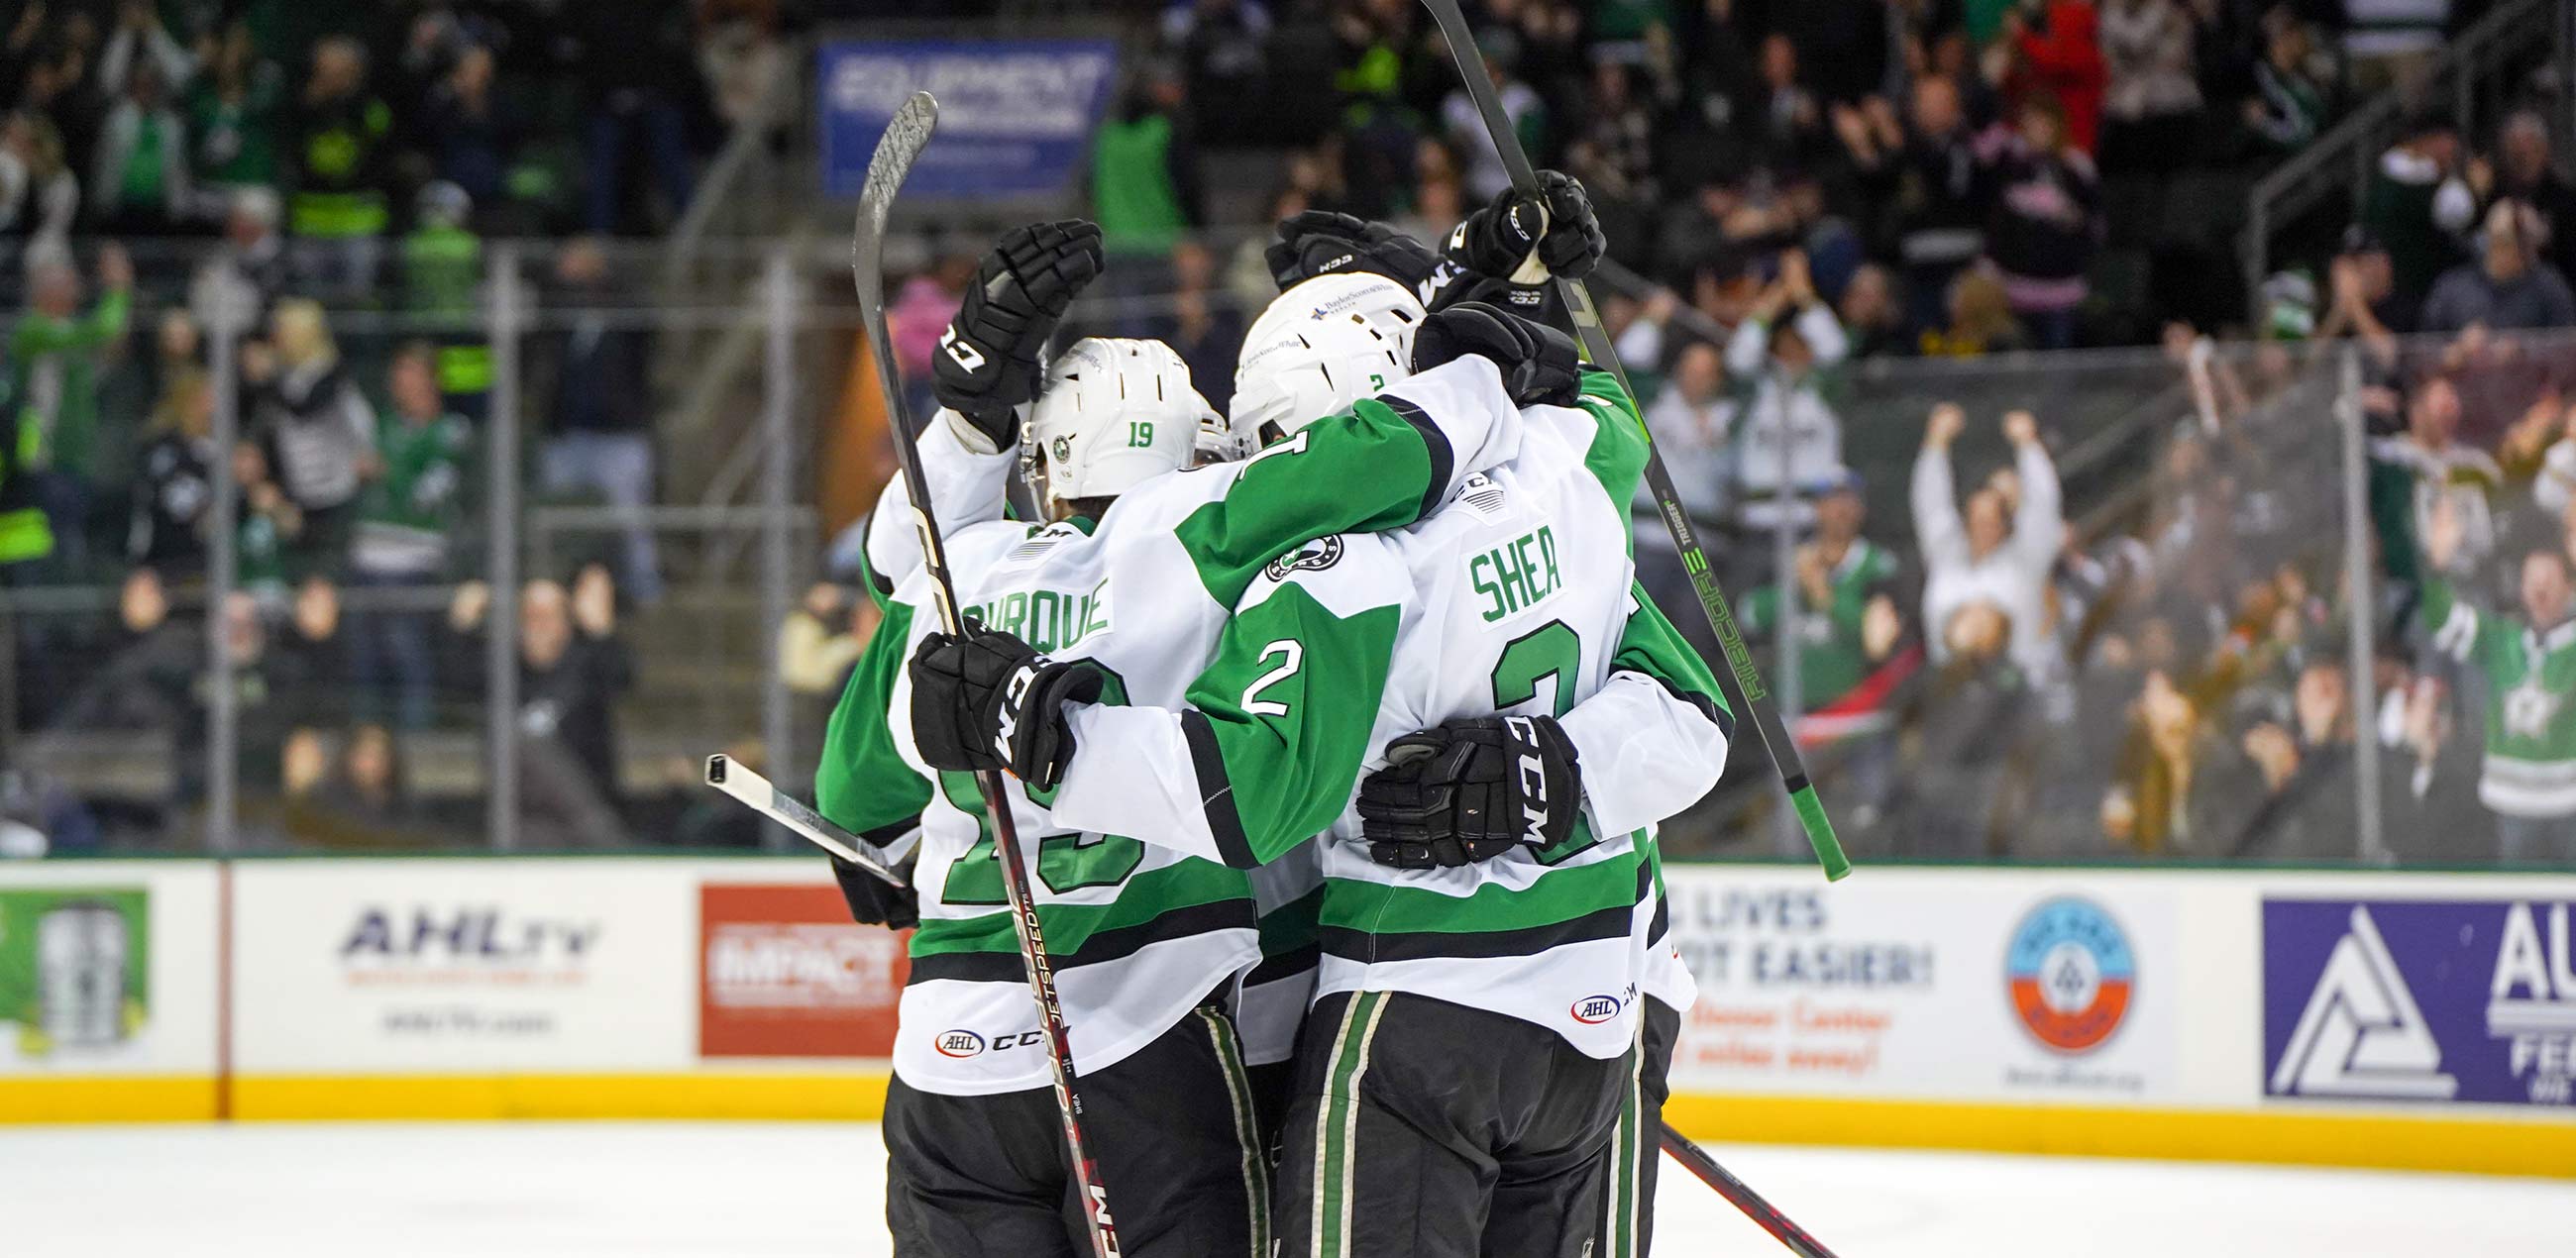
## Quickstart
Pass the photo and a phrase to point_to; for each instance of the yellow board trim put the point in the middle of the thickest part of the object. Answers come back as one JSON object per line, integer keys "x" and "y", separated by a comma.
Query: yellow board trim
{"x": 107, "y": 1099}
{"x": 837, "y": 1096}
{"x": 2543, "y": 1145}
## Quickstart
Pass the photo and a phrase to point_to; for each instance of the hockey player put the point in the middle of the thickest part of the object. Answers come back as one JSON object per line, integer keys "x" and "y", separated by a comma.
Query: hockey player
{"x": 1295, "y": 365}
{"x": 1147, "y": 942}
{"x": 1464, "y": 1068}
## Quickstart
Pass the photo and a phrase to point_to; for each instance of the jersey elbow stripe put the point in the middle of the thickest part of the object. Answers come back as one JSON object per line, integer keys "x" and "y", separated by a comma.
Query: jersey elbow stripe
{"x": 1444, "y": 458}
{"x": 1216, "y": 792}
{"x": 1714, "y": 711}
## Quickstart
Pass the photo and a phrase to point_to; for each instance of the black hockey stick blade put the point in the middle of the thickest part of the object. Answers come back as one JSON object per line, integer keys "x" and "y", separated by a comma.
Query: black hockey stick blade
{"x": 1741, "y": 680}
{"x": 1742, "y": 1196}
{"x": 763, "y": 796}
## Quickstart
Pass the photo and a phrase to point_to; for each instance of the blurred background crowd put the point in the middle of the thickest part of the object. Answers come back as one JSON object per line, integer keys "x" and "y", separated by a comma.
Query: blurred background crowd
{"x": 2133, "y": 428}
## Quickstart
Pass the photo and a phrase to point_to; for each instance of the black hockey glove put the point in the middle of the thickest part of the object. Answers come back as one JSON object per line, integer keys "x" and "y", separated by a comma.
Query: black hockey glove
{"x": 1539, "y": 363}
{"x": 987, "y": 365}
{"x": 1320, "y": 242}
{"x": 875, "y": 902}
{"x": 1557, "y": 221}
{"x": 1470, "y": 790}
{"x": 989, "y": 701}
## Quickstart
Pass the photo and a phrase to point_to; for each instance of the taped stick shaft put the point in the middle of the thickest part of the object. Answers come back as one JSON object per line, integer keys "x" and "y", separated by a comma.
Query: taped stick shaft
{"x": 762, "y": 796}
{"x": 905, "y": 136}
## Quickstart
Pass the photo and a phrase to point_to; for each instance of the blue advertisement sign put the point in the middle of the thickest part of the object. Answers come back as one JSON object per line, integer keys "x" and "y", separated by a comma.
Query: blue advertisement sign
{"x": 2420, "y": 1000}
{"x": 1015, "y": 115}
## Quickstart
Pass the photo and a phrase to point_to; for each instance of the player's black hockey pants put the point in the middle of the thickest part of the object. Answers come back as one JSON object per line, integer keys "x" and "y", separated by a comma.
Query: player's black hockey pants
{"x": 1172, "y": 1126}
{"x": 1423, "y": 1129}
{"x": 1636, "y": 1153}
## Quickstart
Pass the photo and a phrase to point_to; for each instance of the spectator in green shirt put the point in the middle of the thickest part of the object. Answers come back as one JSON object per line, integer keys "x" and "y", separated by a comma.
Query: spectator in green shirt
{"x": 1841, "y": 575}
{"x": 233, "y": 114}
{"x": 404, "y": 521}
{"x": 56, "y": 351}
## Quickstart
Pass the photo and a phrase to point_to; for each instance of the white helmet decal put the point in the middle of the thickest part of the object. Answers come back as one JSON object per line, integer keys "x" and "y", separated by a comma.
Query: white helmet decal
{"x": 1115, "y": 413}
{"x": 1320, "y": 347}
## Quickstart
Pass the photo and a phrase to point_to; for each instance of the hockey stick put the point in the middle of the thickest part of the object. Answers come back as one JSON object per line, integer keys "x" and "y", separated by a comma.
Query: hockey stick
{"x": 1742, "y": 1195}
{"x": 1740, "y": 680}
{"x": 905, "y": 136}
{"x": 726, "y": 774}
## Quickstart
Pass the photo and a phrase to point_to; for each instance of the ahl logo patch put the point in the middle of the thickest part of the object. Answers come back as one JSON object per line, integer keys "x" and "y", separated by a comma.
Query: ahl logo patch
{"x": 1314, "y": 556}
{"x": 1595, "y": 1010}
{"x": 958, "y": 1043}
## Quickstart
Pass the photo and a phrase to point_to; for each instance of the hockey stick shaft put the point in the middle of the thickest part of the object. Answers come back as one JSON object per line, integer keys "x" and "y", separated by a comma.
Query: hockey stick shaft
{"x": 762, "y": 796}
{"x": 1763, "y": 1213}
{"x": 1740, "y": 680}
{"x": 905, "y": 136}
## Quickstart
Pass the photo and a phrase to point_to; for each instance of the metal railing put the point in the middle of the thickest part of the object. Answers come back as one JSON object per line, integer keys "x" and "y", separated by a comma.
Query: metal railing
{"x": 2339, "y": 162}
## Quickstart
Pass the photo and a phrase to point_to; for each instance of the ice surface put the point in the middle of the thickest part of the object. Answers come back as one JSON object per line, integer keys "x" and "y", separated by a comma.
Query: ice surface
{"x": 667, "y": 1190}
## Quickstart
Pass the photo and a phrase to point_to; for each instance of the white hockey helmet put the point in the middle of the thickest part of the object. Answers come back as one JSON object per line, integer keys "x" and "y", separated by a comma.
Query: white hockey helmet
{"x": 1320, "y": 347}
{"x": 1115, "y": 413}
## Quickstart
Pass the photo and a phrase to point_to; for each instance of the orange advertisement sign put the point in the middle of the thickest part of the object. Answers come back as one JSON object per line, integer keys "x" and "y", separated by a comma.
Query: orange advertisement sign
{"x": 784, "y": 972}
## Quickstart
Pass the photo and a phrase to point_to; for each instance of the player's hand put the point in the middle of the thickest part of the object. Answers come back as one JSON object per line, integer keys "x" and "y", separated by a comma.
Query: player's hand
{"x": 1471, "y": 790}
{"x": 2021, "y": 427}
{"x": 875, "y": 902}
{"x": 1539, "y": 363}
{"x": 1556, "y": 224}
{"x": 988, "y": 701}
{"x": 1321, "y": 242}
{"x": 1947, "y": 422}
{"x": 987, "y": 364}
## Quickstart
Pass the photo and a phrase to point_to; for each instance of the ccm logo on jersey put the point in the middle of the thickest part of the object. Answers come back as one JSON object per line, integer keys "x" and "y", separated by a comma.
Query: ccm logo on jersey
{"x": 1533, "y": 781}
{"x": 963, "y": 1043}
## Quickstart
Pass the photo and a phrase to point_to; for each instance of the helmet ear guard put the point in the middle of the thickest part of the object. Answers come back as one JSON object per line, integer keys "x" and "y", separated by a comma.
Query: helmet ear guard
{"x": 1115, "y": 413}
{"x": 1319, "y": 347}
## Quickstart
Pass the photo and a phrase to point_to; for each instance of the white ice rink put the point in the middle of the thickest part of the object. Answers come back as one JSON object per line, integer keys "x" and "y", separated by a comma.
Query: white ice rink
{"x": 670, "y": 1190}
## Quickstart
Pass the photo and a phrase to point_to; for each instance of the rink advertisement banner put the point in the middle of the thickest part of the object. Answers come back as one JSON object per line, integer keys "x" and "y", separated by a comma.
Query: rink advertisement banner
{"x": 784, "y": 972}
{"x": 1015, "y": 115}
{"x": 2420, "y": 1001}
{"x": 107, "y": 967}
{"x": 1928, "y": 983}
{"x": 465, "y": 965}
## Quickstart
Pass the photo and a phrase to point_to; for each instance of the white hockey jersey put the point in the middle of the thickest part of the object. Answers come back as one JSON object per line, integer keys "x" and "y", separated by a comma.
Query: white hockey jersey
{"x": 1517, "y": 596}
{"x": 1139, "y": 933}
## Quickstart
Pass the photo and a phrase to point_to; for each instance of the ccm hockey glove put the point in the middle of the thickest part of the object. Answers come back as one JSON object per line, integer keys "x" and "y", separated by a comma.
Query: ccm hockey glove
{"x": 987, "y": 364}
{"x": 1470, "y": 790}
{"x": 1321, "y": 242}
{"x": 1557, "y": 223}
{"x": 989, "y": 701}
{"x": 1539, "y": 363}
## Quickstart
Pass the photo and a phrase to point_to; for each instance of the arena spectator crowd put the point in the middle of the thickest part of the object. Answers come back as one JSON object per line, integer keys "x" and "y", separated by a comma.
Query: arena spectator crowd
{"x": 175, "y": 175}
{"x": 2018, "y": 627}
